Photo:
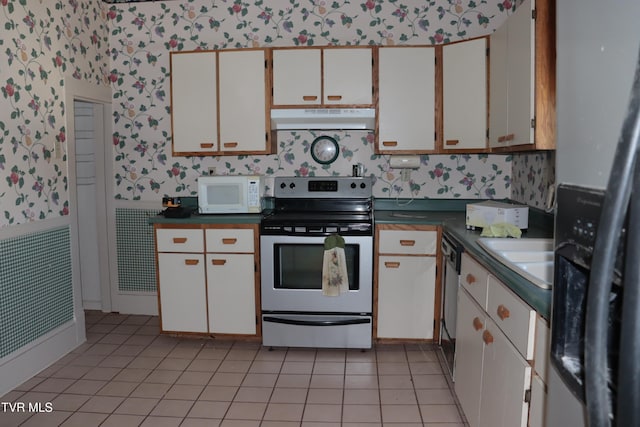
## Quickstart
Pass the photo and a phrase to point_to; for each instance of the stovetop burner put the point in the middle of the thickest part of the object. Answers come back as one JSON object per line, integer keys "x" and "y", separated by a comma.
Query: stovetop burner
{"x": 320, "y": 206}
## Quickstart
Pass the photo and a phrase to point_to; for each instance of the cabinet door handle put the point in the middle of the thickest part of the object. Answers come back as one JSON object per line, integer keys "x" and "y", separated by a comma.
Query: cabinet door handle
{"x": 477, "y": 323}
{"x": 505, "y": 138}
{"x": 407, "y": 242}
{"x": 229, "y": 241}
{"x": 179, "y": 240}
{"x": 206, "y": 145}
{"x": 334, "y": 97}
{"x": 218, "y": 261}
{"x": 392, "y": 264}
{"x": 503, "y": 312}
{"x": 471, "y": 279}
{"x": 487, "y": 337}
{"x": 230, "y": 144}
{"x": 390, "y": 143}
{"x": 191, "y": 262}
{"x": 452, "y": 142}
{"x": 309, "y": 97}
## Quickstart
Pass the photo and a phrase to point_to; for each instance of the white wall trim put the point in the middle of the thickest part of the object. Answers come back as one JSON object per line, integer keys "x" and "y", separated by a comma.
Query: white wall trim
{"x": 24, "y": 363}
{"x": 33, "y": 227}
{"x": 137, "y": 204}
{"x": 139, "y": 303}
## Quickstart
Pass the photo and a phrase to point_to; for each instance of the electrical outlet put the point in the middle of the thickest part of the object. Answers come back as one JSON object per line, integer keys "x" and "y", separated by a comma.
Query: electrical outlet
{"x": 212, "y": 170}
{"x": 405, "y": 175}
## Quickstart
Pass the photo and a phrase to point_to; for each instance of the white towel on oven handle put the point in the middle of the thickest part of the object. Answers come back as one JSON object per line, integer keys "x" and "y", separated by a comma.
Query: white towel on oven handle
{"x": 335, "y": 278}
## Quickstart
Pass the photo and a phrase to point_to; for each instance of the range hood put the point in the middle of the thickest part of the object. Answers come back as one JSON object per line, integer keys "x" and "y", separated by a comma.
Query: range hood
{"x": 323, "y": 118}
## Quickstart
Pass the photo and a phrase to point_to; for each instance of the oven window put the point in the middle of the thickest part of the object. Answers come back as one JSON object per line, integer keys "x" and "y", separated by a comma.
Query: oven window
{"x": 299, "y": 266}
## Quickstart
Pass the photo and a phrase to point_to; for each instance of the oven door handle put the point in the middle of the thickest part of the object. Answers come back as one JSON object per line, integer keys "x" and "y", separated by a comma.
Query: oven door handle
{"x": 342, "y": 322}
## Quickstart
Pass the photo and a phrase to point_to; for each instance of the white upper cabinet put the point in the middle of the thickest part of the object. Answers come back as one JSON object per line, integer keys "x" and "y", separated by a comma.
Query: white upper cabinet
{"x": 512, "y": 79}
{"x": 219, "y": 102}
{"x": 297, "y": 76}
{"x": 348, "y": 76}
{"x": 406, "y": 100}
{"x": 522, "y": 79}
{"x": 329, "y": 76}
{"x": 464, "y": 79}
{"x": 194, "y": 115}
{"x": 498, "y": 105}
{"x": 242, "y": 101}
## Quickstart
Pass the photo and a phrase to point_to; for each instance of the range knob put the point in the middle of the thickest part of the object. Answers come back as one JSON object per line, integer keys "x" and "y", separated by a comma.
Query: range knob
{"x": 283, "y": 185}
{"x": 363, "y": 185}
{"x": 292, "y": 186}
{"x": 353, "y": 185}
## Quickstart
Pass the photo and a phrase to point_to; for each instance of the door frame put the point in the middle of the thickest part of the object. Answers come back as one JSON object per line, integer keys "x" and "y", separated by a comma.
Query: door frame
{"x": 77, "y": 90}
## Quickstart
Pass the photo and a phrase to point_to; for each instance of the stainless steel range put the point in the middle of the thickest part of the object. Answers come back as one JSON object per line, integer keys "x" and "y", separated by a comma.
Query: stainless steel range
{"x": 295, "y": 312}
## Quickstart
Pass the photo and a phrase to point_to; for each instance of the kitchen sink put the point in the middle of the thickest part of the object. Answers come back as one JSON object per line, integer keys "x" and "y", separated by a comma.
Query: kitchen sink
{"x": 530, "y": 258}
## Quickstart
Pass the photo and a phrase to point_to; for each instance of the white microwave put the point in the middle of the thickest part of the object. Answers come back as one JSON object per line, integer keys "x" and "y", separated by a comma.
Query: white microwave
{"x": 230, "y": 194}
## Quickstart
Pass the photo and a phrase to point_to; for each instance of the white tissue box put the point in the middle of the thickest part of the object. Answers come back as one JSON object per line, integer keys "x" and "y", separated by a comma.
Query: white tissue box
{"x": 486, "y": 213}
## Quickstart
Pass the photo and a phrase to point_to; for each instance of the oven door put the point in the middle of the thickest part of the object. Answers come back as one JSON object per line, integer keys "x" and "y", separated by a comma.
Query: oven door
{"x": 291, "y": 275}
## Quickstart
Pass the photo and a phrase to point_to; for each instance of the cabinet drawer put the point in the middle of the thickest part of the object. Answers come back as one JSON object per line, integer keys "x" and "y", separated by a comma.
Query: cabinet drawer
{"x": 474, "y": 279}
{"x": 179, "y": 240}
{"x": 235, "y": 240}
{"x": 515, "y": 318}
{"x": 408, "y": 242}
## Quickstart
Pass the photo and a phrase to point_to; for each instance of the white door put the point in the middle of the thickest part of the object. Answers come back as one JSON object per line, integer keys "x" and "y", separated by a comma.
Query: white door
{"x": 86, "y": 130}
{"x": 89, "y": 157}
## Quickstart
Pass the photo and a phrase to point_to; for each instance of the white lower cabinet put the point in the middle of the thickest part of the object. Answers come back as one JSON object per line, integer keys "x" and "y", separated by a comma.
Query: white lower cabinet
{"x": 538, "y": 404}
{"x": 406, "y": 297}
{"x": 406, "y": 282}
{"x": 537, "y": 410}
{"x": 207, "y": 278}
{"x": 231, "y": 293}
{"x": 494, "y": 351}
{"x": 183, "y": 306}
{"x": 470, "y": 323}
{"x": 506, "y": 377}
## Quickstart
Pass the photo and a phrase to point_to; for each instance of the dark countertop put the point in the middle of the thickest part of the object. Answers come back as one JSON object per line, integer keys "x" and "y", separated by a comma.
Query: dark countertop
{"x": 196, "y": 218}
{"x": 538, "y": 298}
{"x": 448, "y": 213}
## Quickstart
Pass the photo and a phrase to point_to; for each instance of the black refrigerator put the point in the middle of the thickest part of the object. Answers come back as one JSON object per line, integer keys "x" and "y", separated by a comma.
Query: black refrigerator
{"x": 595, "y": 326}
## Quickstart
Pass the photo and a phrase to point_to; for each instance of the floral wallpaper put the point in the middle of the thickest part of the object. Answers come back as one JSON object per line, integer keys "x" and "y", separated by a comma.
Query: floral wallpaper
{"x": 143, "y": 34}
{"x": 533, "y": 174}
{"x": 127, "y": 46}
{"x": 41, "y": 43}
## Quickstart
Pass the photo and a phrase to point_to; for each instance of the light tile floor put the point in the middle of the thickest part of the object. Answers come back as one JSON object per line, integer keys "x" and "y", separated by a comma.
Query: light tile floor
{"x": 127, "y": 374}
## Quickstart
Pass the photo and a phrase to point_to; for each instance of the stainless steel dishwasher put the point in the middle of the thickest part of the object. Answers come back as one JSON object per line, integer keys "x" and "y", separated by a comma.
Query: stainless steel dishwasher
{"x": 451, "y": 254}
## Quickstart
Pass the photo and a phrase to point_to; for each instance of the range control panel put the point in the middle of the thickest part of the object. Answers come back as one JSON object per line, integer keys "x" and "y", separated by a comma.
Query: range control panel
{"x": 342, "y": 187}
